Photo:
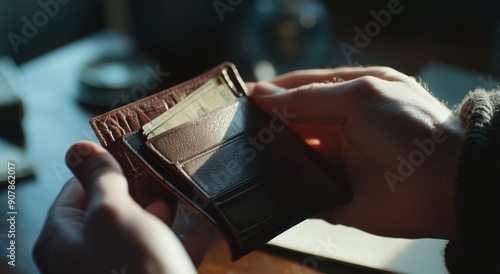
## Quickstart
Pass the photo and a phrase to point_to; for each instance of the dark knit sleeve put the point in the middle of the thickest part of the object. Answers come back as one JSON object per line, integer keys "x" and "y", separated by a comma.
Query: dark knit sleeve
{"x": 477, "y": 248}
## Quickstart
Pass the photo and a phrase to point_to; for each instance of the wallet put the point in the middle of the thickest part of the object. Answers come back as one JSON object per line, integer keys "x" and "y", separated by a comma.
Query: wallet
{"x": 240, "y": 168}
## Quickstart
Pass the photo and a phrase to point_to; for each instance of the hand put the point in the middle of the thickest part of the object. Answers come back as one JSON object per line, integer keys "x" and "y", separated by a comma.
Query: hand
{"x": 94, "y": 226}
{"x": 397, "y": 145}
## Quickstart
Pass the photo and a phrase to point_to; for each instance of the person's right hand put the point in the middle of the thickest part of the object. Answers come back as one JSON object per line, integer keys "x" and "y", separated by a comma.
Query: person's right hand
{"x": 397, "y": 145}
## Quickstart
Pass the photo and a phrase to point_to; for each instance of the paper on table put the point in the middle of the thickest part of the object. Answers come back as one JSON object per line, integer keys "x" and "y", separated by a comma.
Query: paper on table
{"x": 316, "y": 237}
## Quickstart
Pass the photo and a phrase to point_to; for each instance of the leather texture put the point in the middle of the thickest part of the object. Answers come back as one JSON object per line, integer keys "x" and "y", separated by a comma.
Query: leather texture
{"x": 241, "y": 169}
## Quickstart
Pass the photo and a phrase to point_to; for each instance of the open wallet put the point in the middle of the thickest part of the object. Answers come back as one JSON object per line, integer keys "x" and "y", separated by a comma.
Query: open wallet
{"x": 211, "y": 146}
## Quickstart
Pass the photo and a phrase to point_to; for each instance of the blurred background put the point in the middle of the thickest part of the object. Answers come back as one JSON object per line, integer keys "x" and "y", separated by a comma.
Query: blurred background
{"x": 65, "y": 61}
{"x": 290, "y": 34}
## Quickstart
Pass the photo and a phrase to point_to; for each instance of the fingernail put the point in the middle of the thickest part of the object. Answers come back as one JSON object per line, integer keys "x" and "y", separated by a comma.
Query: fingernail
{"x": 79, "y": 152}
{"x": 268, "y": 88}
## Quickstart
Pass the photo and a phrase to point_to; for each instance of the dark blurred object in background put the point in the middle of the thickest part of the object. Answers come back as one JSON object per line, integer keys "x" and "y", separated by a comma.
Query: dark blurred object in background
{"x": 283, "y": 35}
{"x": 11, "y": 107}
{"x": 457, "y": 33}
{"x": 191, "y": 36}
{"x": 496, "y": 46}
{"x": 188, "y": 36}
{"x": 114, "y": 81}
{"x": 31, "y": 28}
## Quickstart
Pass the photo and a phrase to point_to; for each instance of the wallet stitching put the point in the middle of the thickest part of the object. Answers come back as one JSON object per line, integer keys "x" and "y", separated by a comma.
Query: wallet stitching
{"x": 129, "y": 135}
{"x": 152, "y": 145}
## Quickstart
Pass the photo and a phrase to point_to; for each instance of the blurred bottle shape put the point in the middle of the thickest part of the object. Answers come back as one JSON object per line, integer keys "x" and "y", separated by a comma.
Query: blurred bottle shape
{"x": 285, "y": 35}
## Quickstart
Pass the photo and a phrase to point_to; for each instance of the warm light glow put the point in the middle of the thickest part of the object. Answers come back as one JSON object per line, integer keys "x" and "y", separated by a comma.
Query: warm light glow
{"x": 313, "y": 142}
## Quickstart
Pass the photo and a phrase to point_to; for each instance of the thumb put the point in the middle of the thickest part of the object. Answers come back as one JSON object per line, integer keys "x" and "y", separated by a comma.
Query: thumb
{"x": 320, "y": 103}
{"x": 97, "y": 171}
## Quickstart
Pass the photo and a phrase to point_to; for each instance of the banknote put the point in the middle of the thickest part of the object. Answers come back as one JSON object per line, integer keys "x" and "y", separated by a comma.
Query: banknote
{"x": 213, "y": 94}
{"x": 147, "y": 128}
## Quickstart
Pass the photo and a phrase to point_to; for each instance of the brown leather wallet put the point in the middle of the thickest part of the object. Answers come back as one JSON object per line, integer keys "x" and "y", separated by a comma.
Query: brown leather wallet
{"x": 243, "y": 170}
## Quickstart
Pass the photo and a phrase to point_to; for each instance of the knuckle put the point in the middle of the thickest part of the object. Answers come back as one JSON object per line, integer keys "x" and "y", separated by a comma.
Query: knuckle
{"x": 390, "y": 73}
{"x": 367, "y": 88}
{"x": 368, "y": 83}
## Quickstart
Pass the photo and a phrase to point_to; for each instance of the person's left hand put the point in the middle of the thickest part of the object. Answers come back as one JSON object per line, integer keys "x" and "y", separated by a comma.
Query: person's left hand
{"x": 94, "y": 226}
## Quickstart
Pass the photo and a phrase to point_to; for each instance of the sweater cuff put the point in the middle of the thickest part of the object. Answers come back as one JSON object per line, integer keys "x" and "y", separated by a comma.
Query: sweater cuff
{"x": 477, "y": 199}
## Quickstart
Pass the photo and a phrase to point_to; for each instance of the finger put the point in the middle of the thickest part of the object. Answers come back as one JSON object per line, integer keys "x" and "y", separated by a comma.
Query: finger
{"x": 319, "y": 103}
{"x": 161, "y": 210}
{"x": 71, "y": 195}
{"x": 68, "y": 210}
{"x": 65, "y": 216}
{"x": 250, "y": 86}
{"x": 97, "y": 171}
{"x": 304, "y": 77}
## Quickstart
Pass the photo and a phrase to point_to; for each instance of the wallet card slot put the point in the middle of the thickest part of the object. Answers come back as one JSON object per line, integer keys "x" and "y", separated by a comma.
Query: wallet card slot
{"x": 238, "y": 160}
{"x": 213, "y": 175}
{"x": 201, "y": 134}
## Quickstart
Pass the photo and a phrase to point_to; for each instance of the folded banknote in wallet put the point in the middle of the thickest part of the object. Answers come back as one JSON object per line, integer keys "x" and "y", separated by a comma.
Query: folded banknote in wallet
{"x": 208, "y": 144}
